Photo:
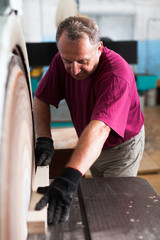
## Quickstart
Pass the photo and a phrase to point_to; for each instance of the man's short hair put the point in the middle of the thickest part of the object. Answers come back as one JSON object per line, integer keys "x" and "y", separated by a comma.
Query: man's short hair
{"x": 77, "y": 27}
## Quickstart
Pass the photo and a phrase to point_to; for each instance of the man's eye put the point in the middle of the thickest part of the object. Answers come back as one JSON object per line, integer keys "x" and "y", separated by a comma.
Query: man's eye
{"x": 83, "y": 62}
{"x": 67, "y": 61}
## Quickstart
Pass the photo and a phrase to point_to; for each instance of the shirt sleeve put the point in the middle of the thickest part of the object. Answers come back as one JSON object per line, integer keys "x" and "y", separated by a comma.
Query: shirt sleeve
{"x": 112, "y": 103}
{"x": 50, "y": 89}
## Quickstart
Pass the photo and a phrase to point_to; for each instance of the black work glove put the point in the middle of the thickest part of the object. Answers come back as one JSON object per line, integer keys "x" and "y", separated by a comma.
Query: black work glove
{"x": 44, "y": 151}
{"x": 60, "y": 195}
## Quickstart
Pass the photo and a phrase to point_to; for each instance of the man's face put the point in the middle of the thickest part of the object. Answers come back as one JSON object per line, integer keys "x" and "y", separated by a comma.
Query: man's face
{"x": 80, "y": 57}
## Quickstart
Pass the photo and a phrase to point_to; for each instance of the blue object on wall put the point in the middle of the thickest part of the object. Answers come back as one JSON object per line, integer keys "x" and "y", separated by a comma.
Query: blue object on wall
{"x": 148, "y": 57}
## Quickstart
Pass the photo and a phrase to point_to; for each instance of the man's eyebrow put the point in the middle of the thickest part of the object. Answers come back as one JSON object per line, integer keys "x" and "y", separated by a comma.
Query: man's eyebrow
{"x": 65, "y": 58}
{"x": 79, "y": 60}
{"x": 83, "y": 60}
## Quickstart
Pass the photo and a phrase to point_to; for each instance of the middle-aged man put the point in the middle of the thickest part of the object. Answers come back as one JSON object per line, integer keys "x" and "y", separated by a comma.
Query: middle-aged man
{"x": 100, "y": 90}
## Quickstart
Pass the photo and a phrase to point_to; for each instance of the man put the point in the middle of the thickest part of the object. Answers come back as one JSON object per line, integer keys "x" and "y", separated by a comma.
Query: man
{"x": 100, "y": 90}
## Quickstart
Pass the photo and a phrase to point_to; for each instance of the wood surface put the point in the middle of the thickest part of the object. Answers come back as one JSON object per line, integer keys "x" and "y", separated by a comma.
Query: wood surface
{"x": 16, "y": 154}
{"x": 147, "y": 165}
{"x": 37, "y": 220}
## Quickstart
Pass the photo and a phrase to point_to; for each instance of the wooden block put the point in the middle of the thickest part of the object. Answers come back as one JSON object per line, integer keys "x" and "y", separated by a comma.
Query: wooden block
{"x": 37, "y": 220}
{"x": 41, "y": 178}
{"x": 73, "y": 229}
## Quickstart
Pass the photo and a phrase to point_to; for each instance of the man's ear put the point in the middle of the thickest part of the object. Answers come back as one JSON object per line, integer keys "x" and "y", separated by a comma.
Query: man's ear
{"x": 100, "y": 47}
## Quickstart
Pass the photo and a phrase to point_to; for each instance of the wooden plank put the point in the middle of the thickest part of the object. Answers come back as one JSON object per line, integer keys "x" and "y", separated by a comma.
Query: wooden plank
{"x": 120, "y": 208}
{"x": 71, "y": 229}
{"x": 37, "y": 220}
{"x": 64, "y": 138}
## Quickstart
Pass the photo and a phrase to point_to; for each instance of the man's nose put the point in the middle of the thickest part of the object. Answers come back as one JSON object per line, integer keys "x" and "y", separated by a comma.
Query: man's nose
{"x": 75, "y": 68}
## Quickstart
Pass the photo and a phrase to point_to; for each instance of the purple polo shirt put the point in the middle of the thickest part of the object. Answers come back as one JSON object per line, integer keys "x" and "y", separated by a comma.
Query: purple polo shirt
{"x": 109, "y": 95}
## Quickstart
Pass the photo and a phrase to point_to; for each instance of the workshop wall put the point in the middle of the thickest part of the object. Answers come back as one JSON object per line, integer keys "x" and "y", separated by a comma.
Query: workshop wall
{"x": 38, "y": 20}
{"x": 117, "y": 19}
{"x": 130, "y": 20}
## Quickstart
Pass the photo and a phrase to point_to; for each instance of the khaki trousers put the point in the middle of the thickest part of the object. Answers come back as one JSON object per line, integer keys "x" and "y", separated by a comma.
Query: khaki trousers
{"x": 122, "y": 160}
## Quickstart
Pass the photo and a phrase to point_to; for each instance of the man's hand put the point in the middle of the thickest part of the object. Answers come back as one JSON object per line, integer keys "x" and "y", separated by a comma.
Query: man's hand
{"x": 60, "y": 195}
{"x": 44, "y": 151}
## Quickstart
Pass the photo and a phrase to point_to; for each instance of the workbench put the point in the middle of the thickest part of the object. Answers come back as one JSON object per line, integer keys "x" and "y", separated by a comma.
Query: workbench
{"x": 110, "y": 209}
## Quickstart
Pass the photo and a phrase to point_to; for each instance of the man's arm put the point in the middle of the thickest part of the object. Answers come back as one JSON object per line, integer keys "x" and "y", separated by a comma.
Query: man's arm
{"x": 44, "y": 144}
{"x": 42, "y": 118}
{"x": 90, "y": 143}
{"x": 89, "y": 146}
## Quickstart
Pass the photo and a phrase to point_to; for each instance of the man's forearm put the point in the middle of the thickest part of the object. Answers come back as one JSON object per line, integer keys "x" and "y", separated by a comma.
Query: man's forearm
{"x": 89, "y": 146}
{"x": 42, "y": 118}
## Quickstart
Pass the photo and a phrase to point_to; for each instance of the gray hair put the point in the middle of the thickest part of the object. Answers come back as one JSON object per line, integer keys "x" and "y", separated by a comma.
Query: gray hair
{"x": 77, "y": 27}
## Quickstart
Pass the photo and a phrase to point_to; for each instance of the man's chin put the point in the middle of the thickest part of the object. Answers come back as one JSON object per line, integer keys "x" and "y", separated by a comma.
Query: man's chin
{"x": 79, "y": 77}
